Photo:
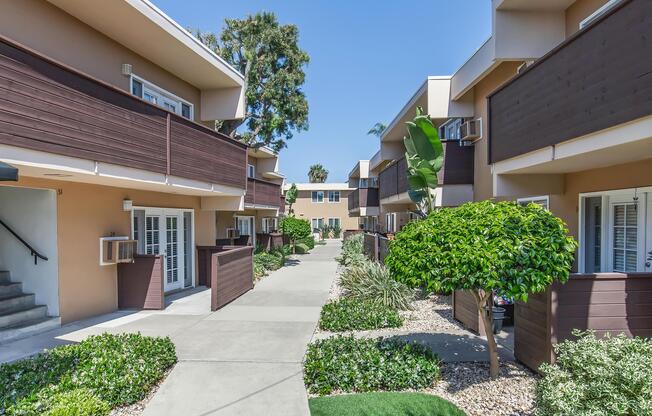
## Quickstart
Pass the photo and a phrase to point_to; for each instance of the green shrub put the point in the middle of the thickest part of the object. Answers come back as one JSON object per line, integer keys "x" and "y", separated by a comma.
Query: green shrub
{"x": 78, "y": 402}
{"x": 116, "y": 369}
{"x": 259, "y": 270}
{"x": 347, "y": 364}
{"x": 295, "y": 228}
{"x": 371, "y": 281}
{"x": 349, "y": 314}
{"x": 337, "y": 232}
{"x": 309, "y": 242}
{"x": 607, "y": 377}
{"x": 352, "y": 250}
{"x": 301, "y": 248}
{"x": 269, "y": 261}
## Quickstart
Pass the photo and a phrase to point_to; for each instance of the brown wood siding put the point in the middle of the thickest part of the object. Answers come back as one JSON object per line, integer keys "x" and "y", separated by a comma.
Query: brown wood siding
{"x": 231, "y": 275}
{"x": 610, "y": 302}
{"x": 465, "y": 310}
{"x": 363, "y": 197}
{"x": 458, "y": 165}
{"x": 599, "y": 78}
{"x": 140, "y": 284}
{"x": 393, "y": 179}
{"x": 50, "y": 108}
{"x": 261, "y": 192}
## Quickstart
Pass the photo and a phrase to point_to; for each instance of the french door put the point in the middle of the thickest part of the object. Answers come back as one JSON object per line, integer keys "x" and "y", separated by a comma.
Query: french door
{"x": 246, "y": 226}
{"x": 166, "y": 232}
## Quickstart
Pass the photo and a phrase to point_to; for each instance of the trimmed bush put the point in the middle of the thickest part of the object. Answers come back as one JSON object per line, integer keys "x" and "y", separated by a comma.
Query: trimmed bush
{"x": 114, "y": 369}
{"x": 371, "y": 281}
{"x": 352, "y": 251}
{"x": 301, "y": 248}
{"x": 349, "y": 314}
{"x": 270, "y": 261}
{"x": 309, "y": 242}
{"x": 295, "y": 229}
{"x": 347, "y": 364}
{"x": 607, "y": 377}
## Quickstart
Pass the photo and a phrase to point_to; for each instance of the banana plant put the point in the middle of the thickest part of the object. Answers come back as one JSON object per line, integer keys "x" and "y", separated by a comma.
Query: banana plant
{"x": 425, "y": 157}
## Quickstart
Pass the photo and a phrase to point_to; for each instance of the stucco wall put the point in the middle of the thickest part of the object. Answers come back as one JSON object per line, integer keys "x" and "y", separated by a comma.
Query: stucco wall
{"x": 579, "y": 11}
{"x": 304, "y": 208}
{"x": 84, "y": 214}
{"x": 32, "y": 214}
{"x": 47, "y": 29}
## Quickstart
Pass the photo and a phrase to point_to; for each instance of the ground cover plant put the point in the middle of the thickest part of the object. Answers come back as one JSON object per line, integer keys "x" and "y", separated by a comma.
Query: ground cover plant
{"x": 352, "y": 251}
{"x": 597, "y": 377}
{"x": 485, "y": 248}
{"x": 89, "y": 378}
{"x": 383, "y": 404}
{"x": 371, "y": 281}
{"x": 346, "y": 364}
{"x": 348, "y": 314}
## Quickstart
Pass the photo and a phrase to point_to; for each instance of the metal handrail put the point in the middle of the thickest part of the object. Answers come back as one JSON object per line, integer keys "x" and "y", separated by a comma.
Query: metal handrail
{"x": 32, "y": 250}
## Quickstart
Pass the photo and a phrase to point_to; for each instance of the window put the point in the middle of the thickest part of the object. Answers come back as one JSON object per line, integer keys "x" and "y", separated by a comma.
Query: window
{"x": 615, "y": 231}
{"x": 251, "y": 171}
{"x": 370, "y": 223}
{"x": 541, "y": 200}
{"x": 334, "y": 222}
{"x": 317, "y": 224}
{"x": 158, "y": 96}
{"x": 365, "y": 183}
{"x": 390, "y": 222}
{"x": 317, "y": 196}
{"x": 450, "y": 130}
{"x": 598, "y": 13}
{"x": 333, "y": 196}
{"x": 270, "y": 225}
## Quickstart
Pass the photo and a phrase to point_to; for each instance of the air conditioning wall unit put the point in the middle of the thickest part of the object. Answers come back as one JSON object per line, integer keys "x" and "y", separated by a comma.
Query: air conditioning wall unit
{"x": 114, "y": 250}
{"x": 471, "y": 130}
{"x": 232, "y": 233}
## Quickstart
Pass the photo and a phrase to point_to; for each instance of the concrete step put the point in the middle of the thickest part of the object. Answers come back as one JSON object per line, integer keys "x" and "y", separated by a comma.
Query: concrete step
{"x": 19, "y": 317}
{"x": 17, "y": 303}
{"x": 10, "y": 289}
{"x": 29, "y": 328}
{"x": 5, "y": 276}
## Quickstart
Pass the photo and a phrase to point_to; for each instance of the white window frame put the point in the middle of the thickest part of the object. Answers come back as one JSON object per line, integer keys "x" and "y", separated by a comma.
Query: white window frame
{"x": 390, "y": 217}
{"x": 535, "y": 199}
{"x": 606, "y": 250}
{"x": 339, "y": 222}
{"x": 251, "y": 170}
{"x": 596, "y": 14}
{"x": 339, "y": 197}
{"x": 318, "y": 226}
{"x": 269, "y": 224}
{"x": 317, "y": 193}
{"x": 456, "y": 123}
{"x": 163, "y": 93}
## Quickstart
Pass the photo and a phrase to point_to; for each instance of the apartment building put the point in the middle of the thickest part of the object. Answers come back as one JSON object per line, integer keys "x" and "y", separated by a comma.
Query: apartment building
{"x": 104, "y": 141}
{"x": 324, "y": 203}
{"x": 363, "y": 201}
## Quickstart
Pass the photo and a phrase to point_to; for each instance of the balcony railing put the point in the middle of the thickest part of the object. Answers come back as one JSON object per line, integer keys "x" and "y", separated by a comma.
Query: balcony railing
{"x": 599, "y": 78}
{"x": 363, "y": 197}
{"x": 261, "y": 192}
{"x": 49, "y": 107}
{"x": 456, "y": 170}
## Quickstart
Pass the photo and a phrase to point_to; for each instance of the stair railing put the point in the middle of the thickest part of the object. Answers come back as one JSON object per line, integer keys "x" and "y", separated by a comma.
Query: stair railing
{"x": 33, "y": 251}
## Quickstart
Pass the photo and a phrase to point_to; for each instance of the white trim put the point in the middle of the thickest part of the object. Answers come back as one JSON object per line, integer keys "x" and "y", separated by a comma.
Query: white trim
{"x": 323, "y": 197}
{"x": 251, "y": 168}
{"x": 339, "y": 197}
{"x": 316, "y": 218}
{"x": 253, "y": 226}
{"x": 339, "y": 220}
{"x": 596, "y": 14}
{"x": 535, "y": 199}
{"x": 163, "y": 92}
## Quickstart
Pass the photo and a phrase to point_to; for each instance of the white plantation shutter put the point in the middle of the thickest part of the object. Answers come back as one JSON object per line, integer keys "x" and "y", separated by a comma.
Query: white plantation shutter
{"x": 625, "y": 237}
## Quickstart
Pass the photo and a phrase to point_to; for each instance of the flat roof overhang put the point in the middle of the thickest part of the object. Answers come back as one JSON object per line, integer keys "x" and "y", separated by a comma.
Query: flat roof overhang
{"x": 148, "y": 31}
{"x": 8, "y": 172}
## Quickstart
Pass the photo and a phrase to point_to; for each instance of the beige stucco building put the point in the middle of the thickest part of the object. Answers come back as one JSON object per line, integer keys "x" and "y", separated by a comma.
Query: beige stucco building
{"x": 323, "y": 203}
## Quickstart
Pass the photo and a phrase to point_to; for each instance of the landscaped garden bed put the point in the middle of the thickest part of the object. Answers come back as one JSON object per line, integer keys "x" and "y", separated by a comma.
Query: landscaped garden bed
{"x": 91, "y": 378}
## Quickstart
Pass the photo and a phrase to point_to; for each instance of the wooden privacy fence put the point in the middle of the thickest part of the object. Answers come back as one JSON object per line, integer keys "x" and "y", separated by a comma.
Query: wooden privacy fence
{"x": 376, "y": 246}
{"x": 232, "y": 272}
{"x": 140, "y": 284}
{"x": 606, "y": 303}
{"x": 270, "y": 241}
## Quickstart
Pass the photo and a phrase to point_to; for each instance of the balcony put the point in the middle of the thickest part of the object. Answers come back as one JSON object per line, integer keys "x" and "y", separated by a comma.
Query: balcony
{"x": 456, "y": 170}
{"x": 362, "y": 199}
{"x": 598, "y": 79}
{"x": 51, "y": 108}
{"x": 262, "y": 193}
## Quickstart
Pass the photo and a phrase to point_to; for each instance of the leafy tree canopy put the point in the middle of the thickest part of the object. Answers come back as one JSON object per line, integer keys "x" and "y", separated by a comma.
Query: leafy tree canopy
{"x": 269, "y": 56}
{"x": 377, "y": 129}
{"x": 291, "y": 196}
{"x": 317, "y": 174}
{"x": 295, "y": 228}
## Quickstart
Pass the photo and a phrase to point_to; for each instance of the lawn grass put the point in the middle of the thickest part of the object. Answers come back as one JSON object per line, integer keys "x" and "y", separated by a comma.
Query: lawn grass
{"x": 383, "y": 404}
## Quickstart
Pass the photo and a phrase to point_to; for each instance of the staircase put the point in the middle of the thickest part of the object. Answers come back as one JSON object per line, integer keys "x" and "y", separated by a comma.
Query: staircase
{"x": 20, "y": 316}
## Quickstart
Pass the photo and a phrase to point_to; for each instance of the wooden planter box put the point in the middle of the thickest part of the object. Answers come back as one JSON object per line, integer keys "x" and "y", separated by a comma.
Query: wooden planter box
{"x": 607, "y": 303}
{"x": 466, "y": 311}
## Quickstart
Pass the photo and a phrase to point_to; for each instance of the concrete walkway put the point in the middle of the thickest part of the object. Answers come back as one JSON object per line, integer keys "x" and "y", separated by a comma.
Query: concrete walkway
{"x": 244, "y": 359}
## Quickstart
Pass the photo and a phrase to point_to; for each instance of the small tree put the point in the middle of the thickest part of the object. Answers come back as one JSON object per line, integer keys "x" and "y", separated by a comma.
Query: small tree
{"x": 296, "y": 229}
{"x": 291, "y": 197}
{"x": 485, "y": 248}
{"x": 424, "y": 155}
{"x": 377, "y": 130}
{"x": 317, "y": 174}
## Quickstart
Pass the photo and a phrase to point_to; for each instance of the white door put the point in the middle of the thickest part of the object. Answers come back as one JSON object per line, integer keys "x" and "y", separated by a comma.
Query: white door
{"x": 246, "y": 226}
{"x": 648, "y": 233}
{"x": 164, "y": 235}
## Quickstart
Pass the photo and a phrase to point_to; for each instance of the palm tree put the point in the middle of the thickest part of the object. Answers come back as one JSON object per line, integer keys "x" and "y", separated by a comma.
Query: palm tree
{"x": 317, "y": 174}
{"x": 378, "y": 129}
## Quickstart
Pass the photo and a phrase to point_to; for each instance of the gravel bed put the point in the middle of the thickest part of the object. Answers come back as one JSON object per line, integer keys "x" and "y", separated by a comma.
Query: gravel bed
{"x": 432, "y": 314}
{"x": 468, "y": 385}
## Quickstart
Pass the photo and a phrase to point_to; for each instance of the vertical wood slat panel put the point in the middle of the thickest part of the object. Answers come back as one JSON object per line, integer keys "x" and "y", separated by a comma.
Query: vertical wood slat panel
{"x": 140, "y": 284}
{"x": 261, "y": 192}
{"x": 597, "y": 79}
{"x": 231, "y": 275}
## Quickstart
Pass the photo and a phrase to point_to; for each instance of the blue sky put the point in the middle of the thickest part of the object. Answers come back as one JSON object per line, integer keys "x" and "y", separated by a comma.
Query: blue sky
{"x": 367, "y": 59}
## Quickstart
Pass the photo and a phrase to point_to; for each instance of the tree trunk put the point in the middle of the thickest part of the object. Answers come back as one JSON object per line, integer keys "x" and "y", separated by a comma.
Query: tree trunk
{"x": 484, "y": 302}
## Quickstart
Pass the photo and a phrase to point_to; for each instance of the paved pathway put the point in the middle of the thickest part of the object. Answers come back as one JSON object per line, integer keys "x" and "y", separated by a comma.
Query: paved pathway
{"x": 244, "y": 359}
